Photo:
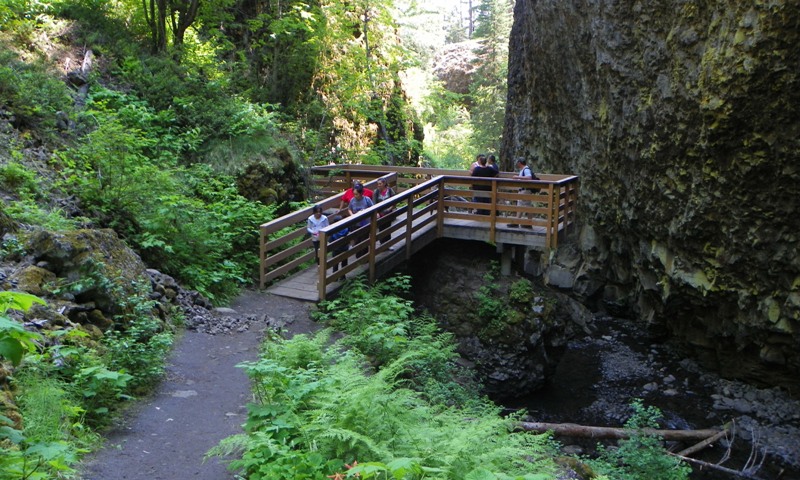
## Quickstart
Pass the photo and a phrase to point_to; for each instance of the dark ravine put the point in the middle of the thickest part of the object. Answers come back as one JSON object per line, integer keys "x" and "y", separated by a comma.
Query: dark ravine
{"x": 597, "y": 366}
{"x": 683, "y": 122}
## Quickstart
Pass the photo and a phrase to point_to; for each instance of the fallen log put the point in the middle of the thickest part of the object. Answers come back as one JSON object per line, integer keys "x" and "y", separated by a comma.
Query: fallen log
{"x": 708, "y": 441}
{"x": 585, "y": 431}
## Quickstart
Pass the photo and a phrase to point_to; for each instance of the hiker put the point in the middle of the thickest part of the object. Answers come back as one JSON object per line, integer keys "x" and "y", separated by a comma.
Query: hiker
{"x": 484, "y": 171}
{"x": 477, "y": 162}
{"x": 359, "y": 202}
{"x": 348, "y": 195}
{"x": 524, "y": 173}
{"x": 382, "y": 193}
{"x": 316, "y": 222}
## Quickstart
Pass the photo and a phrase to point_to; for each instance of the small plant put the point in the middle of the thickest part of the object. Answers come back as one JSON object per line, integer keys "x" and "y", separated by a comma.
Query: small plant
{"x": 11, "y": 248}
{"x": 15, "y": 341}
{"x": 642, "y": 456}
{"x": 17, "y": 178}
{"x": 521, "y": 291}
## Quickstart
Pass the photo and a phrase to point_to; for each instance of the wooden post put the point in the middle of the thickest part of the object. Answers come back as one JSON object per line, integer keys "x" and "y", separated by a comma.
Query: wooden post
{"x": 440, "y": 210}
{"x": 373, "y": 232}
{"x": 549, "y": 220}
{"x": 262, "y": 248}
{"x": 493, "y": 214}
{"x": 322, "y": 280}
{"x": 409, "y": 224}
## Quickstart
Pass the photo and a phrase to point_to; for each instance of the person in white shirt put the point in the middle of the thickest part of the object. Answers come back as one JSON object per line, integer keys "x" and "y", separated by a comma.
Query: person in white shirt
{"x": 525, "y": 173}
{"x": 316, "y": 222}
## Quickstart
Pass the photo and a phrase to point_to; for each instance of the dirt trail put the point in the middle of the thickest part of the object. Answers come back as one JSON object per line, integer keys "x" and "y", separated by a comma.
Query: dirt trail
{"x": 201, "y": 400}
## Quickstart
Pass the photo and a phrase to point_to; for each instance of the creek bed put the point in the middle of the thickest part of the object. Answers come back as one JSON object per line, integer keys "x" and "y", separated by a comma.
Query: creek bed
{"x": 600, "y": 374}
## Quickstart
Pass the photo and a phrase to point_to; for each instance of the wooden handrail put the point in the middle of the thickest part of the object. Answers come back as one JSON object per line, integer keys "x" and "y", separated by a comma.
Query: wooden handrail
{"x": 448, "y": 195}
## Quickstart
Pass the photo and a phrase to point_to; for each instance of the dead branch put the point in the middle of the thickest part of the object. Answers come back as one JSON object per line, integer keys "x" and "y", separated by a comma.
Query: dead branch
{"x": 720, "y": 468}
{"x": 708, "y": 441}
{"x": 585, "y": 431}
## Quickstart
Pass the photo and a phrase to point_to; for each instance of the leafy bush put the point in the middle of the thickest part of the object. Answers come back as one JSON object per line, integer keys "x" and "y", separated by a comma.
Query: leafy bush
{"x": 30, "y": 93}
{"x": 190, "y": 222}
{"x": 641, "y": 457}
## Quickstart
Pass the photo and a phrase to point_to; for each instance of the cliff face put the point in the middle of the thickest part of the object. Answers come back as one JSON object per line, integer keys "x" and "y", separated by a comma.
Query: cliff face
{"x": 683, "y": 121}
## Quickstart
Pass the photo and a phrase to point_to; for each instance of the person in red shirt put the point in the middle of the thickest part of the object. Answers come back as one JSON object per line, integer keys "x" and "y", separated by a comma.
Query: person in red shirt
{"x": 348, "y": 195}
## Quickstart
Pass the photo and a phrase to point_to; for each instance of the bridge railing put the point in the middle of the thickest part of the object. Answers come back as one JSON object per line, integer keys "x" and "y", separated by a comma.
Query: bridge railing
{"x": 420, "y": 202}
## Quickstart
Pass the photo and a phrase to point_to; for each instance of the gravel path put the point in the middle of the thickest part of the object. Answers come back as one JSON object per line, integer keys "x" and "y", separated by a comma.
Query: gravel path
{"x": 202, "y": 399}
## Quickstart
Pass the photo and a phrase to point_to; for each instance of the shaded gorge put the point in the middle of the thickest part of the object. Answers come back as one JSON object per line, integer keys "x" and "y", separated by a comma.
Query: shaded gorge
{"x": 587, "y": 367}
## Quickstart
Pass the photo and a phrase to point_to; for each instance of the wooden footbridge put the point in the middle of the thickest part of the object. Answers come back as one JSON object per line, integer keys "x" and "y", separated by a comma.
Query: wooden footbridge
{"x": 429, "y": 204}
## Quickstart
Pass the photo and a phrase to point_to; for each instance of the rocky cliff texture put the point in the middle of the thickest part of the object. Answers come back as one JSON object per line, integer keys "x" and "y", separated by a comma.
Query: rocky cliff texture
{"x": 683, "y": 121}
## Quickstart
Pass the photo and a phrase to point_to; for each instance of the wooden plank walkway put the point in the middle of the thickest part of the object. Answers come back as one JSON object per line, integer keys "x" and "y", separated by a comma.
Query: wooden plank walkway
{"x": 303, "y": 285}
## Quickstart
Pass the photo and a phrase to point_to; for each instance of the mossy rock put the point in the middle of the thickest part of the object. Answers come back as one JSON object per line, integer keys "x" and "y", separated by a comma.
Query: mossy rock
{"x": 33, "y": 280}
{"x": 92, "y": 265}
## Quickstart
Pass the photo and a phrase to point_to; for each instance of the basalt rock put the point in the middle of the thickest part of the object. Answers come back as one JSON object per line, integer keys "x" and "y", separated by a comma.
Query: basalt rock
{"x": 511, "y": 331}
{"x": 682, "y": 120}
{"x": 91, "y": 265}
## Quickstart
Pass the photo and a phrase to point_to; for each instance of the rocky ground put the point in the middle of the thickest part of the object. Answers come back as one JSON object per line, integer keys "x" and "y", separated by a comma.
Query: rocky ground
{"x": 601, "y": 373}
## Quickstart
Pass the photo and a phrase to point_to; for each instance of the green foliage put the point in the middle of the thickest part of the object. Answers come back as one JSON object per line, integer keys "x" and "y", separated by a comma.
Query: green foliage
{"x": 15, "y": 341}
{"x": 319, "y": 408}
{"x": 521, "y": 291}
{"x": 642, "y": 456}
{"x": 493, "y": 308}
{"x": 32, "y": 213}
{"x": 190, "y": 222}
{"x": 30, "y": 92}
{"x": 139, "y": 348}
{"x": 15, "y": 177}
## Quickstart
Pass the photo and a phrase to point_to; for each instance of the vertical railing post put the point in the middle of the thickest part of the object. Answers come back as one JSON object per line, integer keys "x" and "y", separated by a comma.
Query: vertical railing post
{"x": 322, "y": 279}
{"x": 440, "y": 210}
{"x": 549, "y": 220}
{"x": 493, "y": 213}
{"x": 262, "y": 254}
{"x": 373, "y": 232}
{"x": 409, "y": 224}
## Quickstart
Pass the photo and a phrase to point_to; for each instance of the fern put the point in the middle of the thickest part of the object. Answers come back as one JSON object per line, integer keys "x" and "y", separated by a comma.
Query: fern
{"x": 322, "y": 406}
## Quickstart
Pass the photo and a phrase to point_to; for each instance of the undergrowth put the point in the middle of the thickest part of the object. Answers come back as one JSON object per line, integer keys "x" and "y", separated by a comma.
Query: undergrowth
{"x": 323, "y": 408}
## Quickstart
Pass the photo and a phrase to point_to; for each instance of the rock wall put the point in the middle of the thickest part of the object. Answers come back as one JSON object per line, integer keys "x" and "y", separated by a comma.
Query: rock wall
{"x": 683, "y": 121}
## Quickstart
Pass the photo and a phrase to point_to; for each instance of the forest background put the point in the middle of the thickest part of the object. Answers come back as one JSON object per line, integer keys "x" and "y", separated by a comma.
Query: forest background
{"x": 184, "y": 125}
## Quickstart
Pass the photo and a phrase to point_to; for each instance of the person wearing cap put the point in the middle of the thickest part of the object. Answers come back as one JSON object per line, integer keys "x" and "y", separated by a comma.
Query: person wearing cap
{"x": 316, "y": 222}
{"x": 348, "y": 195}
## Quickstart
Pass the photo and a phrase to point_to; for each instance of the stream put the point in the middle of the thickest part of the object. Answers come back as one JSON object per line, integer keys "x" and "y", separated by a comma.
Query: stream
{"x": 600, "y": 374}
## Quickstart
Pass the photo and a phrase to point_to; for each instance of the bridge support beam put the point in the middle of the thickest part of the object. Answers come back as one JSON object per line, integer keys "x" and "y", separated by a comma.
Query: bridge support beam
{"x": 506, "y": 256}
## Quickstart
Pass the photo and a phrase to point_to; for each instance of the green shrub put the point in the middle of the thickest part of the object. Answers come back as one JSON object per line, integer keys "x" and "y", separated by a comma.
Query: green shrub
{"x": 320, "y": 410}
{"x": 15, "y": 177}
{"x": 30, "y": 93}
{"x": 642, "y": 456}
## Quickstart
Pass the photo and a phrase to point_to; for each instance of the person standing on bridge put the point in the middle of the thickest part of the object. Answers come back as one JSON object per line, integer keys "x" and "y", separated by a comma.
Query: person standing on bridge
{"x": 381, "y": 194}
{"x": 525, "y": 173}
{"x": 484, "y": 171}
{"x": 358, "y": 203}
{"x": 316, "y": 222}
{"x": 348, "y": 195}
